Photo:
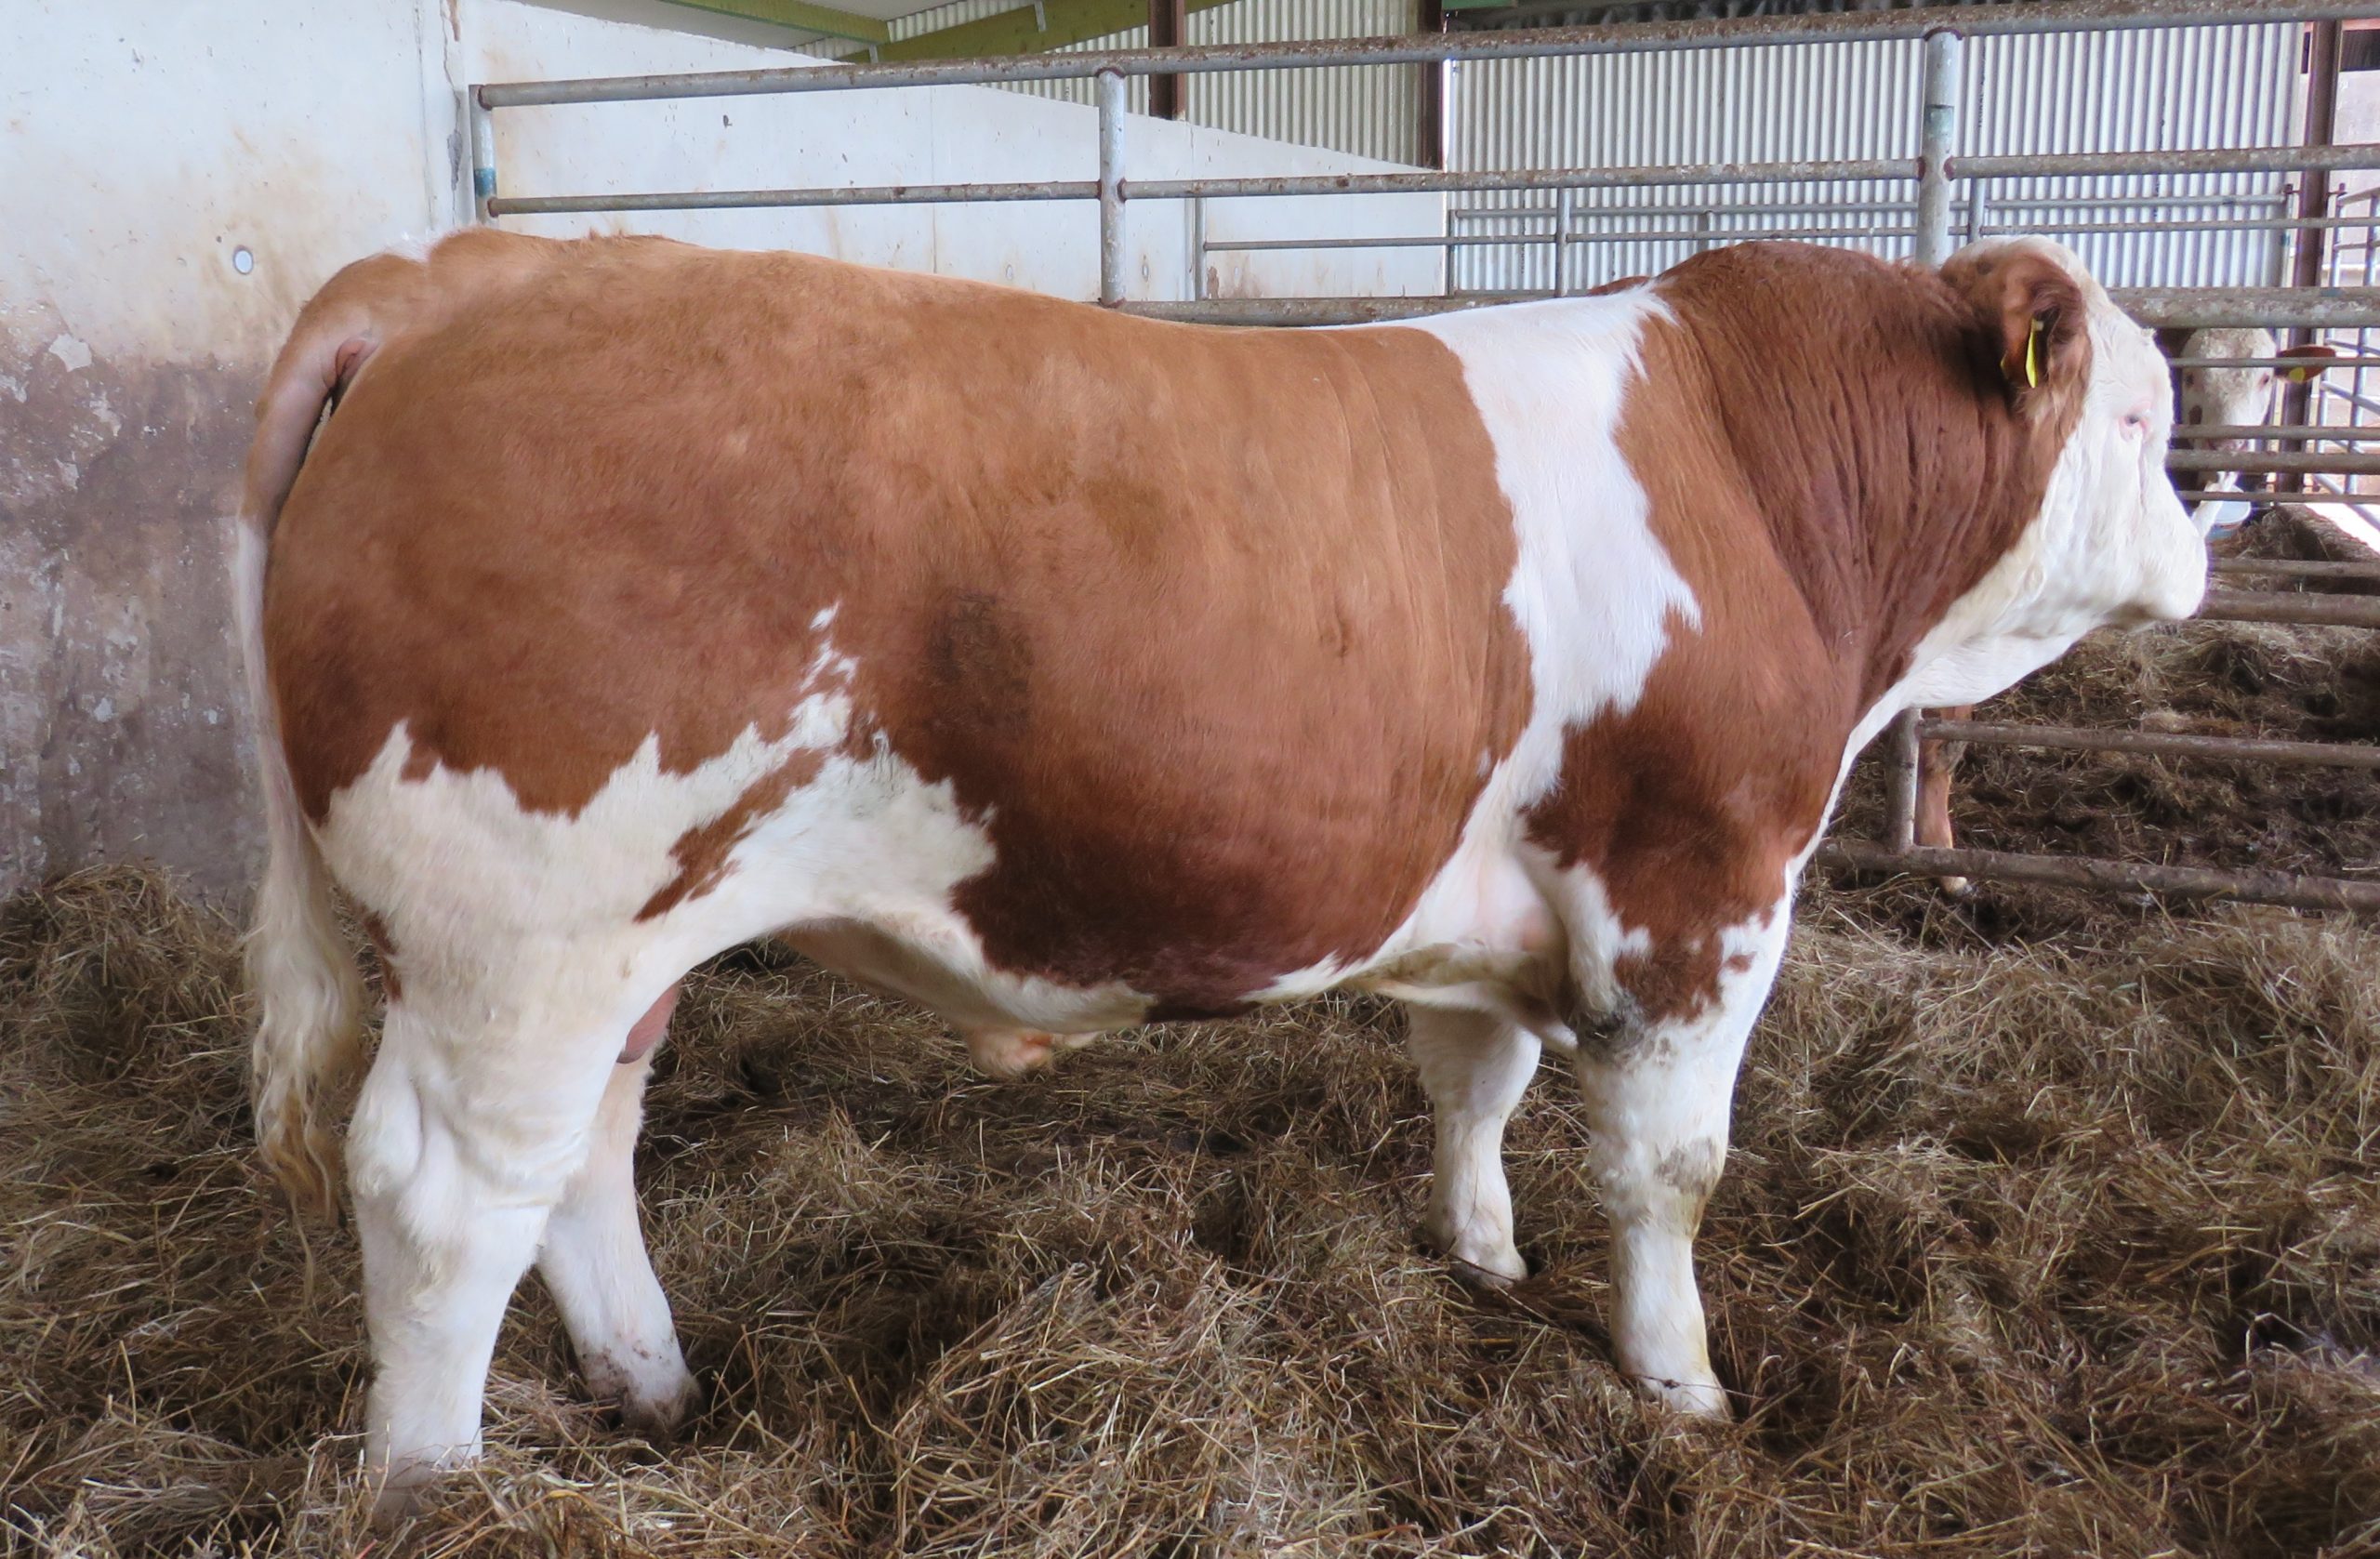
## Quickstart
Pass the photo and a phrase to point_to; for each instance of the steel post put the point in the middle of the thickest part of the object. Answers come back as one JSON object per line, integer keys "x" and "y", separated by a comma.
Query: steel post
{"x": 483, "y": 139}
{"x": 1939, "y": 133}
{"x": 1198, "y": 249}
{"x": 1111, "y": 187}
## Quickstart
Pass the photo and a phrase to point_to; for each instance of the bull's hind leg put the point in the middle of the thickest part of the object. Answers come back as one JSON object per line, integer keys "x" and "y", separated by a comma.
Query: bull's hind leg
{"x": 475, "y": 1123}
{"x": 1659, "y": 1095}
{"x": 1475, "y": 1069}
{"x": 594, "y": 1263}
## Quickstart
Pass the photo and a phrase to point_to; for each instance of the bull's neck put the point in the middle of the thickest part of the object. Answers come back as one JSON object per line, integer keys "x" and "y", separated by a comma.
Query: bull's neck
{"x": 1882, "y": 489}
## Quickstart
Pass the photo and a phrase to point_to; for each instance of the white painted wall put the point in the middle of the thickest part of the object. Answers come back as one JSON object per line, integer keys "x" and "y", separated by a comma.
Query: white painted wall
{"x": 144, "y": 145}
{"x": 939, "y": 135}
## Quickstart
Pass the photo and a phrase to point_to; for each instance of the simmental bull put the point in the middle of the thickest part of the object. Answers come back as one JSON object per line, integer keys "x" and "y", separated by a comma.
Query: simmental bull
{"x": 1064, "y": 671}
{"x": 2242, "y": 397}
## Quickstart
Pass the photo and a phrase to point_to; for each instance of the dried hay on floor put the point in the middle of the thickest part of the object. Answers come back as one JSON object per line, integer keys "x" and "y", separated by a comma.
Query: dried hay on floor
{"x": 2063, "y": 1246}
{"x": 2018, "y": 1253}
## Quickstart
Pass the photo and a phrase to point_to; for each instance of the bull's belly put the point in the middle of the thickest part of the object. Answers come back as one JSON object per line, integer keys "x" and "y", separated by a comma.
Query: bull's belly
{"x": 860, "y": 866}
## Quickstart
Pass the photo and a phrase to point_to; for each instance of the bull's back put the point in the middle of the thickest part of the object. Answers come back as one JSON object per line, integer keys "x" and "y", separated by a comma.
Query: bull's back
{"x": 1204, "y": 629}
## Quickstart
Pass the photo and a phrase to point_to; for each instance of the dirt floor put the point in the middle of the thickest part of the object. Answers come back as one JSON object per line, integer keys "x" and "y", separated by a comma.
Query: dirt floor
{"x": 2052, "y": 1227}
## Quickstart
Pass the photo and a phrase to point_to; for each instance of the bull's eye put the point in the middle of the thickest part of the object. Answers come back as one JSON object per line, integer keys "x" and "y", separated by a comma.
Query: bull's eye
{"x": 2135, "y": 425}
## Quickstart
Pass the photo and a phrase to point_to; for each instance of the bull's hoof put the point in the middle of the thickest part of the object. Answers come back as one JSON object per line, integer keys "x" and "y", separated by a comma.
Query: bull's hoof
{"x": 655, "y": 1397}
{"x": 405, "y": 1491}
{"x": 661, "y": 1418}
{"x": 1477, "y": 1262}
{"x": 1955, "y": 887}
{"x": 1694, "y": 1399}
{"x": 1008, "y": 1052}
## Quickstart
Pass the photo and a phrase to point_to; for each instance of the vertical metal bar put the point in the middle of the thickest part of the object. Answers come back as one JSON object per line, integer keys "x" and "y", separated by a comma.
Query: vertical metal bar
{"x": 2324, "y": 42}
{"x": 1168, "y": 28}
{"x": 1562, "y": 243}
{"x": 1429, "y": 102}
{"x": 1939, "y": 133}
{"x": 1111, "y": 186}
{"x": 1198, "y": 247}
{"x": 1901, "y": 782}
{"x": 483, "y": 135}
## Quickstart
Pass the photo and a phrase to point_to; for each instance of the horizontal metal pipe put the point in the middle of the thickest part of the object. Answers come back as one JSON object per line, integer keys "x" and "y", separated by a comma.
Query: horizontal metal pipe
{"x": 2052, "y": 16}
{"x": 2192, "y": 307}
{"x": 2328, "y": 432}
{"x": 1524, "y": 178}
{"x": 2239, "y": 159}
{"x": 1871, "y": 209}
{"x": 1189, "y": 189}
{"x": 2120, "y": 877}
{"x": 1542, "y": 239}
{"x": 2194, "y": 224}
{"x": 2305, "y": 608}
{"x": 2295, "y": 568}
{"x": 736, "y": 200}
{"x": 2329, "y": 363}
{"x": 2321, "y": 307}
{"x": 1319, "y": 310}
{"x": 1731, "y": 235}
{"x": 1458, "y": 241}
{"x": 2341, "y": 463}
{"x": 2156, "y": 744}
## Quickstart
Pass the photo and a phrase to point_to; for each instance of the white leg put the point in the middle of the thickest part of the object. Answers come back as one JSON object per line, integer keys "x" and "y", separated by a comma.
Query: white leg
{"x": 1658, "y": 1099}
{"x": 1475, "y": 1069}
{"x": 594, "y": 1262}
{"x": 466, "y": 1135}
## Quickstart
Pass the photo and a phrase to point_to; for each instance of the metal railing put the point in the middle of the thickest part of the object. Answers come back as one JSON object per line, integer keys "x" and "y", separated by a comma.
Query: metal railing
{"x": 1923, "y": 201}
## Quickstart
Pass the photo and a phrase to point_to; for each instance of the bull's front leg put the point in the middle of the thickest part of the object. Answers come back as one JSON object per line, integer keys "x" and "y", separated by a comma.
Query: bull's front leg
{"x": 1659, "y": 1078}
{"x": 1937, "y": 764}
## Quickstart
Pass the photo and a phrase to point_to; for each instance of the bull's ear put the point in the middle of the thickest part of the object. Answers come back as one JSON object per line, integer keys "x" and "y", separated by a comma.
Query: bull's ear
{"x": 2030, "y": 314}
{"x": 2307, "y": 362}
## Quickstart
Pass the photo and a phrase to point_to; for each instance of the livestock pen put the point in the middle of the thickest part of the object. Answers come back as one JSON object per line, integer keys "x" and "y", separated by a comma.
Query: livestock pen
{"x": 2053, "y": 1220}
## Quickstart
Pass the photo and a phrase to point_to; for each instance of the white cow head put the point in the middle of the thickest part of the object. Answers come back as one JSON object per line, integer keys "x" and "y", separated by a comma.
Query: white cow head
{"x": 2242, "y": 397}
{"x": 2111, "y": 543}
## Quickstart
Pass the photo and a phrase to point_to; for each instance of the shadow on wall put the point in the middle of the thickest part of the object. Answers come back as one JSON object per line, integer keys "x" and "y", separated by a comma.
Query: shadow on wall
{"x": 120, "y": 708}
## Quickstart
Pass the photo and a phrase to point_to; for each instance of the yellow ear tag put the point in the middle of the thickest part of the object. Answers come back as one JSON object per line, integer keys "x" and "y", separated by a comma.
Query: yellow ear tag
{"x": 2033, "y": 357}
{"x": 2298, "y": 376}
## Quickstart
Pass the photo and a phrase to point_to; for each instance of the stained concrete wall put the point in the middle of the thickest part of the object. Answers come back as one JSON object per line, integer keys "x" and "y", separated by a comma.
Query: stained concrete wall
{"x": 176, "y": 179}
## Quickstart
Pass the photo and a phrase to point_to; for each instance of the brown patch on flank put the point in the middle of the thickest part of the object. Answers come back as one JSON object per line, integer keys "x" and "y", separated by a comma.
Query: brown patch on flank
{"x": 1833, "y": 457}
{"x": 1203, "y": 626}
{"x": 702, "y": 851}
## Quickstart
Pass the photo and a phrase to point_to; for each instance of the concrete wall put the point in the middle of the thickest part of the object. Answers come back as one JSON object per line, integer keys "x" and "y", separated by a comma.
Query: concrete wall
{"x": 176, "y": 179}
{"x": 143, "y": 147}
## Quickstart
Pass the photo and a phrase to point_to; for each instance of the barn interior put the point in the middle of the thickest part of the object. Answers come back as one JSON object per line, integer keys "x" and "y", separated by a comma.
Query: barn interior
{"x": 2052, "y": 1222}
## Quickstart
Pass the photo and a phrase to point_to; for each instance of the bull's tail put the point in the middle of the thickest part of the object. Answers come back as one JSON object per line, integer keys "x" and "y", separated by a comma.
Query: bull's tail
{"x": 309, "y": 1042}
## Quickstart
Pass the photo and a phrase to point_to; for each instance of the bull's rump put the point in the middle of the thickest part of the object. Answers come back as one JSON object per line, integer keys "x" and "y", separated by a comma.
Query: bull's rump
{"x": 1203, "y": 628}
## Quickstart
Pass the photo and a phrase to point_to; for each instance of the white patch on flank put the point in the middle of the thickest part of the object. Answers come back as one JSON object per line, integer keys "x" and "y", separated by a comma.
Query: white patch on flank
{"x": 71, "y": 352}
{"x": 1594, "y": 594}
